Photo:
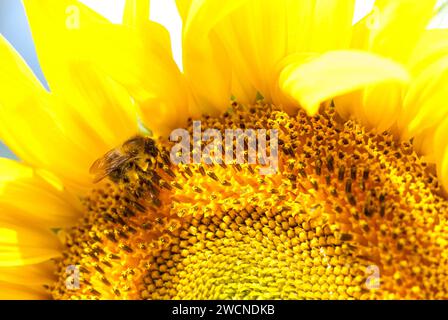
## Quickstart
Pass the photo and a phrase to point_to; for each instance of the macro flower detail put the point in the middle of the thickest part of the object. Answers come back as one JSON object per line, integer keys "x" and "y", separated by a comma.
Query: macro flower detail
{"x": 356, "y": 207}
{"x": 342, "y": 204}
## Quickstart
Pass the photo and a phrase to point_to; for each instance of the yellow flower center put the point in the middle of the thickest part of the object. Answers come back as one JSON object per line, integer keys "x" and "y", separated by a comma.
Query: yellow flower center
{"x": 349, "y": 214}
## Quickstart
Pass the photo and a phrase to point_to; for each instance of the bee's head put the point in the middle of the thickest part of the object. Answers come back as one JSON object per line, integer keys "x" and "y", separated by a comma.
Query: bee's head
{"x": 150, "y": 147}
{"x": 134, "y": 145}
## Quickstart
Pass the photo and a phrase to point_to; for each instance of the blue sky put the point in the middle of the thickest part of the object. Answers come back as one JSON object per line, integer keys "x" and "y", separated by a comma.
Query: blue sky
{"x": 14, "y": 27}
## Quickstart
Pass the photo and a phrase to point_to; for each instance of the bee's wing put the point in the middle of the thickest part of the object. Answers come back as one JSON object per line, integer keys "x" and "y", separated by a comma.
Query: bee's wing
{"x": 108, "y": 163}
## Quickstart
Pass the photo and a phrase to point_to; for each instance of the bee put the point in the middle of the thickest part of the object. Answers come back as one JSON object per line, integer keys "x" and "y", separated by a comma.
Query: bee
{"x": 114, "y": 162}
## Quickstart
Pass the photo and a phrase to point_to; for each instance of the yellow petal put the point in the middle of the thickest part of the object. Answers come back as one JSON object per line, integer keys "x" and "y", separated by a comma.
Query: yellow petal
{"x": 440, "y": 147}
{"x": 206, "y": 64}
{"x": 58, "y": 28}
{"x": 27, "y": 196}
{"x": 29, "y": 275}
{"x": 331, "y": 25}
{"x": 335, "y": 73}
{"x": 425, "y": 103}
{"x": 142, "y": 63}
{"x": 382, "y": 105}
{"x": 424, "y": 143}
{"x": 9, "y": 291}
{"x": 361, "y": 33}
{"x": 85, "y": 60}
{"x": 432, "y": 46}
{"x": 54, "y": 26}
{"x": 139, "y": 59}
{"x": 396, "y": 26}
{"x": 389, "y": 32}
{"x": 154, "y": 80}
{"x": 23, "y": 244}
{"x": 203, "y": 15}
{"x": 277, "y": 91}
{"x": 349, "y": 105}
{"x": 40, "y": 129}
{"x": 256, "y": 36}
{"x": 182, "y": 7}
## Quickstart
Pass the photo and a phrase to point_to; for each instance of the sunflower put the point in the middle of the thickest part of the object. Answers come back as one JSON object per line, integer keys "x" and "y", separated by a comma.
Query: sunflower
{"x": 357, "y": 208}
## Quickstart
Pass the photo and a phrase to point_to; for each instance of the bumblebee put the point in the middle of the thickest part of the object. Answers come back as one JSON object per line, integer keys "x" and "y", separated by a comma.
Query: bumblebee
{"x": 115, "y": 161}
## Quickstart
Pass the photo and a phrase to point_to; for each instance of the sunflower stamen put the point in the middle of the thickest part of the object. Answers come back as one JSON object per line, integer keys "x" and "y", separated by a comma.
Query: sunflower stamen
{"x": 343, "y": 201}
